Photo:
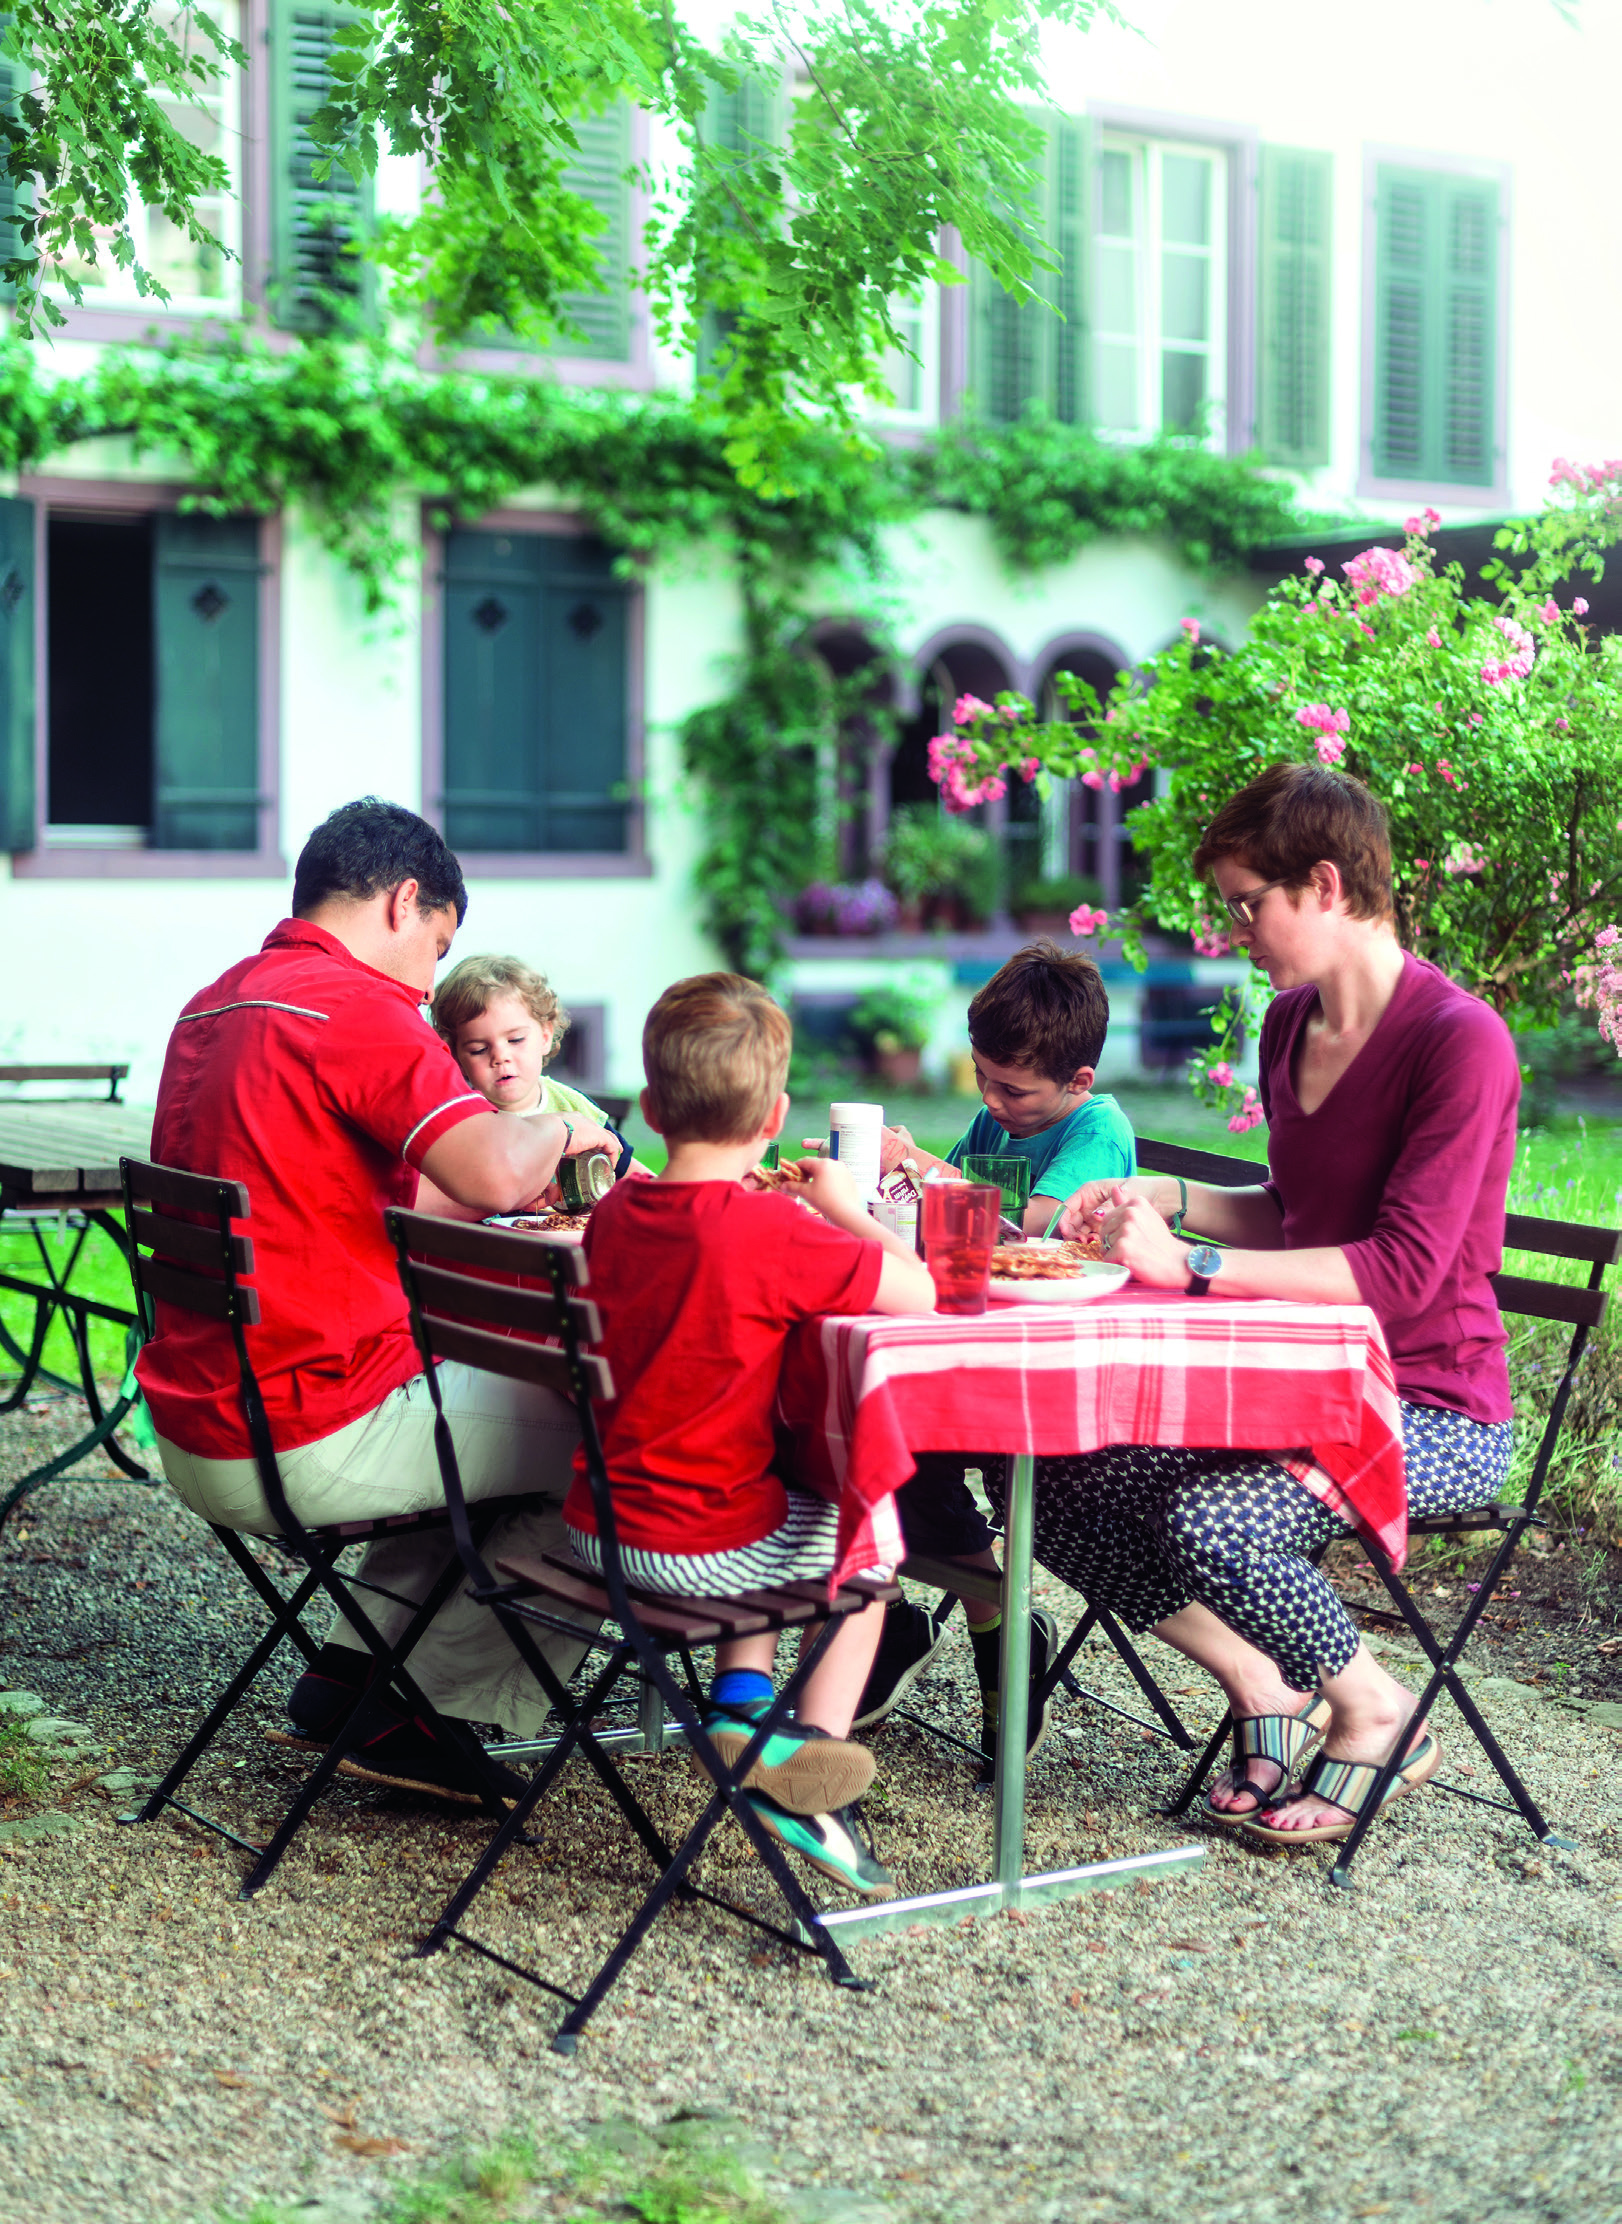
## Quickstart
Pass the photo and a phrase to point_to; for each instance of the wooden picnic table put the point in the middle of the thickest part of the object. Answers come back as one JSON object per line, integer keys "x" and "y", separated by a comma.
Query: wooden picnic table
{"x": 60, "y": 1158}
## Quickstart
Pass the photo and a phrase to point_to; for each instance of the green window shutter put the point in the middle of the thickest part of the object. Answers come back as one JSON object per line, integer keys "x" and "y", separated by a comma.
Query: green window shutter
{"x": 537, "y": 645}
{"x": 598, "y": 173}
{"x": 17, "y": 616}
{"x": 1293, "y": 307}
{"x": 1436, "y": 327}
{"x": 1024, "y": 353}
{"x": 313, "y": 220}
{"x": 205, "y": 727}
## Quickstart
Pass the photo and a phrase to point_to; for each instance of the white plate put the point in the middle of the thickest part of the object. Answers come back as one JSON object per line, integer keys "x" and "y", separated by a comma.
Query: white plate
{"x": 1096, "y": 1279}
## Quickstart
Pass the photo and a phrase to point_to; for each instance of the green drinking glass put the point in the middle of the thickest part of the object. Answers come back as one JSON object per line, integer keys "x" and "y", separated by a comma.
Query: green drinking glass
{"x": 1011, "y": 1175}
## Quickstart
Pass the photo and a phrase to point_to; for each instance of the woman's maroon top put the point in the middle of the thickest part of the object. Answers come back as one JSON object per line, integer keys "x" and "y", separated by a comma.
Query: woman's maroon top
{"x": 1405, "y": 1166}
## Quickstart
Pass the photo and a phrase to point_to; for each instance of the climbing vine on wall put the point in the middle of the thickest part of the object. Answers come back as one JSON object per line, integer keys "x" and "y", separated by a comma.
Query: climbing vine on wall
{"x": 342, "y": 429}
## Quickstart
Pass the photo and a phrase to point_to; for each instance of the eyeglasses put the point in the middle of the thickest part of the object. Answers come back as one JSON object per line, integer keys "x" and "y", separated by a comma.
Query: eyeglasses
{"x": 1242, "y": 909}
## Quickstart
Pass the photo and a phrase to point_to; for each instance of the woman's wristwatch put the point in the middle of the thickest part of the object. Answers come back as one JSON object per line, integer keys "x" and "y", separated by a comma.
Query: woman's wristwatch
{"x": 1204, "y": 1260}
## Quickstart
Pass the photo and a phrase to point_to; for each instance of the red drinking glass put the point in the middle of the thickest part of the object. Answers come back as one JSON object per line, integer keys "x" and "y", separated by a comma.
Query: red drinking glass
{"x": 960, "y": 1228}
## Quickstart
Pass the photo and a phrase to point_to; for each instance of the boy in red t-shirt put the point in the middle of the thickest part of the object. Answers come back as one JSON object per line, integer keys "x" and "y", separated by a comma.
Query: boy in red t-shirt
{"x": 700, "y": 1277}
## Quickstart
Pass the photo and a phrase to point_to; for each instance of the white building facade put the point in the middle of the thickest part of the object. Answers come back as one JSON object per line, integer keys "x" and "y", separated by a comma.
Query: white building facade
{"x": 1382, "y": 252}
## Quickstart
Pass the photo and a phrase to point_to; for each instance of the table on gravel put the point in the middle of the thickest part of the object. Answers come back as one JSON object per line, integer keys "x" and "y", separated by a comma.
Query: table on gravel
{"x": 60, "y": 1159}
{"x": 1142, "y": 1366}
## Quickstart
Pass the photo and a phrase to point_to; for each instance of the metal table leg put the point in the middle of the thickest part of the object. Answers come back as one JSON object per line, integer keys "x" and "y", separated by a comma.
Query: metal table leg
{"x": 1014, "y": 1680}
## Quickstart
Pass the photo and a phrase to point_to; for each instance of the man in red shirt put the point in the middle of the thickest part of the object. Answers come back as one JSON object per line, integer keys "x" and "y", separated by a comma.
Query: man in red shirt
{"x": 308, "y": 1073}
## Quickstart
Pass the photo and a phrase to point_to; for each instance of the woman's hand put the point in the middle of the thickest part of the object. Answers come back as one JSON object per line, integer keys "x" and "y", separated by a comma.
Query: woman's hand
{"x": 1135, "y": 1236}
{"x": 1083, "y": 1212}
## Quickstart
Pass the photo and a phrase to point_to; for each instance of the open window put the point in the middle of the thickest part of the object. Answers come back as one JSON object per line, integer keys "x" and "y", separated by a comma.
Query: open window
{"x": 132, "y": 700}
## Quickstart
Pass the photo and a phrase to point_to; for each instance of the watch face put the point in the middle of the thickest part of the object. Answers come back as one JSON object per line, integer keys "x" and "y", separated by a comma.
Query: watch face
{"x": 1204, "y": 1258}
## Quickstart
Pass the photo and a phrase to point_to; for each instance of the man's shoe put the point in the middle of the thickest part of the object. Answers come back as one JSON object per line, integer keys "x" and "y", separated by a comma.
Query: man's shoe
{"x": 800, "y": 1767}
{"x": 833, "y": 1843}
{"x": 407, "y": 1756}
{"x": 908, "y": 1643}
{"x": 1044, "y": 1651}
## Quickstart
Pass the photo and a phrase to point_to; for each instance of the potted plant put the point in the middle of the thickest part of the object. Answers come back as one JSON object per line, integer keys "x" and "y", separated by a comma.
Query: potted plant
{"x": 845, "y": 907}
{"x": 892, "y": 1028}
{"x": 946, "y": 873}
{"x": 1043, "y": 903}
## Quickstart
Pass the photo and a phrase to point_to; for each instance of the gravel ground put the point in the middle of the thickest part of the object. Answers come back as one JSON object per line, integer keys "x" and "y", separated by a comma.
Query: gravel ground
{"x": 1237, "y": 2045}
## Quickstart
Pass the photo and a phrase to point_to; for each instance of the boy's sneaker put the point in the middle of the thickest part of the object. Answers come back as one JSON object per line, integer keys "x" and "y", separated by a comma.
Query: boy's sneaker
{"x": 1044, "y": 1651}
{"x": 909, "y": 1642}
{"x": 800, "y": 1767}
{"x": 834, "y": 1842}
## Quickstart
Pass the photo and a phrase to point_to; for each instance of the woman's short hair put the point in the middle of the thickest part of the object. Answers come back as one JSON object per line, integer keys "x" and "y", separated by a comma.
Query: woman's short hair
{"x": 471, "y": 987}
{"x": 715, "y": 1050}
{"x": 1047, "y": 1008}
{"x": 1294, "y": 816}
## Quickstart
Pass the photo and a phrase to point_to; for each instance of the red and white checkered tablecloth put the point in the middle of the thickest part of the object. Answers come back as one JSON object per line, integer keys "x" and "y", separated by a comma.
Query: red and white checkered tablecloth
{"x": 1311, "y": 1382}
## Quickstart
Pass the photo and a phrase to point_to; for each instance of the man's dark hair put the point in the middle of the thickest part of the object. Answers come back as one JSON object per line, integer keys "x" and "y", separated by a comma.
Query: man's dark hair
{"x": 368, "y": 846}
{"x": 1047, "y": 1008}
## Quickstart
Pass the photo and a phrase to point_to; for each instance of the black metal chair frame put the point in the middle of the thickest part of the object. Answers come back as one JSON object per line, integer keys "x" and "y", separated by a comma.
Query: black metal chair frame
{"x": 197, "y": 1265}
{"x": 445, "y": 1304}
{"x": 1525, "y": 1296}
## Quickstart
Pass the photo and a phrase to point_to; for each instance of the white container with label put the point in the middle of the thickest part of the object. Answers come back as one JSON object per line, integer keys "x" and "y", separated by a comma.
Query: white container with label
{"x": 855, "y": 1138}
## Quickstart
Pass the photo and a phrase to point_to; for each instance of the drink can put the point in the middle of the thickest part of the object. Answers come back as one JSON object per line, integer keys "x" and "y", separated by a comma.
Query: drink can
{"x": 586, "y": 1180}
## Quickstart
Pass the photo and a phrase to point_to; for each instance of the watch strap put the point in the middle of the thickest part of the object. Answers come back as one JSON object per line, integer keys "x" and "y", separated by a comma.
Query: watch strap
{"x": 1198, "y": 1284}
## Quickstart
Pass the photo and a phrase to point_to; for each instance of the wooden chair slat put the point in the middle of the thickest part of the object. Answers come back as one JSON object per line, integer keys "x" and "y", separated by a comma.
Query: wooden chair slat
{"x": 745, "y": 1614}
{"x": 188, "y": 1240}
{"x": 501, "y": 1250}
{"x": 182, "y": 1192}
{"x": 1562, "y": 1239}
{"x": 542, "y": 1364}
{"x": 681, "y": 1624}
{"x": 534, "y": 1312}
{"x": 1553, "y": 1301}
{"x": 1215, "y": 1167}
{"x": 195, "y": 1293}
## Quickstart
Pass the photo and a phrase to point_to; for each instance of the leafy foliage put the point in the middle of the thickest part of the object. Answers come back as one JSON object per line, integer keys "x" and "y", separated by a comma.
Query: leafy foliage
{"x": 340, "y": 429}
{"x": 1490, "y": 725}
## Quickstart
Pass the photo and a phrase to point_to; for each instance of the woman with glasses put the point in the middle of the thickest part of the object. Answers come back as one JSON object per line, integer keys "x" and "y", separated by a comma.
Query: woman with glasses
{"x": 1390, "y": 1095}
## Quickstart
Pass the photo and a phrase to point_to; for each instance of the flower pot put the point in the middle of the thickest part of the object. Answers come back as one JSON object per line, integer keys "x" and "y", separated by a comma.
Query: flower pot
{"x": 900, "y": 1068}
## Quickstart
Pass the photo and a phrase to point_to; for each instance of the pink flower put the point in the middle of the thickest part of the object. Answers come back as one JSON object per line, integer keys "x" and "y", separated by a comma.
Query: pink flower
{"x": 1464, "y": 860}
{"x": 1092, "y": 779}
{"x": 967, "y": 709}
{"x": 1580, "y": 607}
{"x": 1433, "y": 517}
{"x": 1475, "y": 718}
{"x": 1323, "y": 720}
{"x": 1221, "y": 1073}
{"x": 1434, "y": 638}
{"x": 1084, "y": 921}
{"x": 1315, "y": 565}
{"x": 1380, "y": 571}
{"x": 1209, "y": 940}
{"x": 1550, "y": 611}
{"x": 1369, "y": 630}
{"x": 1446, "y": 771}
{"x": 1330, "y": 748}
{"x": 1417, "y": 771}
{"x": 1191, "y": 626}
{"x": 1249, "y": 1115}
{"x": 1415, "y": 525}
{"x": 1029, "y": 769}
{"x": 1562, "y": 725}
{"x": 1009, "y": 713}
{"x": 1517, "y": 665}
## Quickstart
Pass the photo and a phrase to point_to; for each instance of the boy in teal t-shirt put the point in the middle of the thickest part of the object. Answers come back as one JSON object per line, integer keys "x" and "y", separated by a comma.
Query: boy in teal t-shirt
{"x": 1037, "y": 1031}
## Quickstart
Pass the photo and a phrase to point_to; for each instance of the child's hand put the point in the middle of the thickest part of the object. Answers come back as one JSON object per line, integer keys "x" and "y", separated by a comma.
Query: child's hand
{"x": 895, "y": 1145}
{"x": 829, "y": 1187}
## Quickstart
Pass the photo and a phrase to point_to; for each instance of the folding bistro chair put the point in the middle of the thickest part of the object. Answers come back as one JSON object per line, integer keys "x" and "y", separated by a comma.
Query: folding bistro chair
{"x": 1530, "y": 1298}
{"x": 458, "y": 1313}
{"x": 197, "y": 1263}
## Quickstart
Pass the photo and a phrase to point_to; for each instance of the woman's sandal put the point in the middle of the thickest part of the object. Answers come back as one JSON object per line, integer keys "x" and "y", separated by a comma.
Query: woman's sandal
{"x": 1347, "y": 1784}
{"x": 1279, "y": 1738}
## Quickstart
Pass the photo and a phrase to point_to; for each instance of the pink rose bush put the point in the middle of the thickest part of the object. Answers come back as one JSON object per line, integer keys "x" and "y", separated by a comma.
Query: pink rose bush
{"x": 1597, "y": 983}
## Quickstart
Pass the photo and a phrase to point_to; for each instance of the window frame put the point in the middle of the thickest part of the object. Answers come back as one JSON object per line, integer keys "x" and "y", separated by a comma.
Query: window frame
{"x": 1485, "y": 495}
{"x": 110, "y": 498}
{"x": 1241, "y": 145}
{"x": 631, "y": 863}
{"x": 112, "y": 320}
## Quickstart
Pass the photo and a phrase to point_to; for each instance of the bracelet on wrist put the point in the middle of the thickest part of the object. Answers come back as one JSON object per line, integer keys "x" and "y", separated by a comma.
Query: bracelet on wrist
{"x": 1175, "y": 1223}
